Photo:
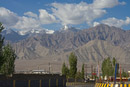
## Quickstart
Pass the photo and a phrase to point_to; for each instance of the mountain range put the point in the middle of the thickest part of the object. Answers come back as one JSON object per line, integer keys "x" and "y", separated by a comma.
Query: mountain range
{"x": 90, "y": 45}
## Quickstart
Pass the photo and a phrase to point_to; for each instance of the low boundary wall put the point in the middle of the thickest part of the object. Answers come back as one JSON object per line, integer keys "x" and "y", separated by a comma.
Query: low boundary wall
{"x": 35, "y": 80}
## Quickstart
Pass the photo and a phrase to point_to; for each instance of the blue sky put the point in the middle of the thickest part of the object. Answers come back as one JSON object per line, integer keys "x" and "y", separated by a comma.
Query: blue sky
{"x": 54, "y": 14}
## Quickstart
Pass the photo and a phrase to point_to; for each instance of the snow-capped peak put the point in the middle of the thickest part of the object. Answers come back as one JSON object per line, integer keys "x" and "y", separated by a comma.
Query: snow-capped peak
{"x": 32, "y": 31}
{"x": 35, "y": 31}
{"x": 65, "y": 27}
{"x": 22, "y": 32}
{"x": 68, "y": 29}
{"x": 49, "y": 31}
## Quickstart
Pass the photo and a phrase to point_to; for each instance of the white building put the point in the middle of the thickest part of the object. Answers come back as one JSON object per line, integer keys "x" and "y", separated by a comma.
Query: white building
{"x": 39, "y": 72}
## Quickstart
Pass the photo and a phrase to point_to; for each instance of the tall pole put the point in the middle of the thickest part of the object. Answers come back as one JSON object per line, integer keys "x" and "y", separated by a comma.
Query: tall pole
{"x": 115, "y": 72}
{"x": 92, "y": 71}
{"x": 120, "y": 74}
{"x": 49, "y": 67}
{"x": 98, "y": 73}
{"x": 85, "y": 70}
{"x": 38, "y": 69}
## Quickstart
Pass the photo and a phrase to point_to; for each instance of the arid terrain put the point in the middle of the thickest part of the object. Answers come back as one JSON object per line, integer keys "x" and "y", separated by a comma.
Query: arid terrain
{"x": 36, "y": 51}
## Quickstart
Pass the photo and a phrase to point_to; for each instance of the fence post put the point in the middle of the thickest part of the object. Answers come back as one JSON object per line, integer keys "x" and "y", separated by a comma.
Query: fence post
{"x": 56, "y": 82}
{"x": 75, "y": 80}
{"x": 49, "y": 82}
{"x": 121, "y": 85}
{"x": 128, "y": 85}
{"x": 28, "y": 83}
{"x": 125, "y": 85}
{"x": 63, "y": 83}
{"x": 111, "y": 85}
{"x": 107, "y": 85}
{"x": 40, "y": 83}
{"x": 13, "y": 83}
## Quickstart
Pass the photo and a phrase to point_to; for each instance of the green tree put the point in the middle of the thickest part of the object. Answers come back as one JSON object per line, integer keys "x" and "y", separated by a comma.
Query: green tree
{"x": 103, "y": 68}
{"x": 107, "y": 68}
{"x": 65, "y": 70}
{"x": 9, "y": 56}
{"x": 73, "y": 65}
{"x": 124, "y": 74}
{"x": 78, "y": 75}
{"x": 1, "y": 45}
{"x": 114, "y": 61}
{"x": 82, "y": 71}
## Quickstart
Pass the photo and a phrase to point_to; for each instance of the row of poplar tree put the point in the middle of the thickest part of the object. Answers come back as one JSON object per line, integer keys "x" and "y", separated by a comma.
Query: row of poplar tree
{"x": 71, "y": 71}
{"x": 108, "y": 68}
{"x": 7, "y": 56}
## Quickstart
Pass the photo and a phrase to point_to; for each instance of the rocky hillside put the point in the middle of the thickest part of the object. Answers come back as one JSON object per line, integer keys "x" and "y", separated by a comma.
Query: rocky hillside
{"x": 42, "y": 45}
{"x": 90, "y": 45}
{"x": 97, "y": 50}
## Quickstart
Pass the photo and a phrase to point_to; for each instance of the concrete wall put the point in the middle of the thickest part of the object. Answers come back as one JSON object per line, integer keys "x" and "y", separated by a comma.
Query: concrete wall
{"x": 33, "y": 80}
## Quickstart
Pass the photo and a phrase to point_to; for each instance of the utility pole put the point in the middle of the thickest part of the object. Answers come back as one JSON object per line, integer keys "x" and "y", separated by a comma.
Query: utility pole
{"x": 85, "y": 66}
{"x": 92, "y": 71}
{"x": 120, "y": 74}
{"x": 115, "y": 73}
{"x": 98, "y": 72}
{"x": 49, "y": 67}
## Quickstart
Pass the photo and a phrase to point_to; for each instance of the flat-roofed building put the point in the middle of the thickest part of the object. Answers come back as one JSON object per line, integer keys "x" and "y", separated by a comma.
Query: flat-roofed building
{"x": 39, "y": 72}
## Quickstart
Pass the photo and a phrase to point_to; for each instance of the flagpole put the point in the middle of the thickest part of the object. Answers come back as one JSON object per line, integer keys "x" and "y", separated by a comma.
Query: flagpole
{"x": 115, "y": 72}
{"x": 120, "y": 74}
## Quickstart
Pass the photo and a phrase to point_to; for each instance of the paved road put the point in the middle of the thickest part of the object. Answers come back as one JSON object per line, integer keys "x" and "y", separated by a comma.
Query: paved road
{"x": 87, "y": 85}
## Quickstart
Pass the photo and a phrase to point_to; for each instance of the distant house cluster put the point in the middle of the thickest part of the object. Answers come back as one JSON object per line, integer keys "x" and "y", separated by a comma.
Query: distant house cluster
{"x": 32, "y": 72}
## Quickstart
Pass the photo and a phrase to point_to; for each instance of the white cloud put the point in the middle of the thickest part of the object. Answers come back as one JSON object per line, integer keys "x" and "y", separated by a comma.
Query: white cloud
{"x": 46, "y": 18}
{"x": 27, "y": 23}
{"x": 61, "y": 13}
{"x": 33, "y": 21}
{"x": 76, "y": 13}
{"x": 7, "y": 17}
{"x": 106, "y": 3}
{"x": 122, "y": 3}
{"x": 82, "y": 12}
{"x": 114, "y": 22}
{"x": 30, "y": 14}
